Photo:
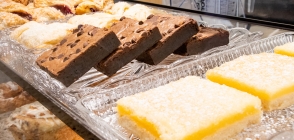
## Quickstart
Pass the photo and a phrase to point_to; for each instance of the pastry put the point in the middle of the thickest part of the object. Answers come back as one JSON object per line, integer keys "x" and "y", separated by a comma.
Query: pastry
{"x": 46, "y": 14}
{"x": 15, "y": 8}
{"x": 37, "y": 35}
{"x": 10, "y": 20}
{"x": 136, "y": 37}
{"x": 87, "y": 7}
{"x": 138, "y": 12}
{"x": 78, "y": 53}
{"x": 268, "y": 76}
{"x": 119, "y": 8}
{"x": 33, "y": 121}
{"x": 24, "y": 2}
{"x": 206, "y": 39}
{"x": 286, "y": 49}
{"x": 191, "y": 109}
{"x": 101, "y": 20}
{"x": 176, "y": 30}
{"x": 65, "y": 6}
{"x": 13, "y": 96}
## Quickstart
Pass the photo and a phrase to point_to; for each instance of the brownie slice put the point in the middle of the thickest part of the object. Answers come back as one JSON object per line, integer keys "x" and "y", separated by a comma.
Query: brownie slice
{"x": 207, "y": 38}
{"x": 78, "y": 52}
{"x": 136, "y": 37}
{"x": 176, "y": 30}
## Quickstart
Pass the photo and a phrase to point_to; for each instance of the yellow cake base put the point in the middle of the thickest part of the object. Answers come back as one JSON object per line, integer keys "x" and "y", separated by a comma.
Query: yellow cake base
{"x": 223, "y": 133}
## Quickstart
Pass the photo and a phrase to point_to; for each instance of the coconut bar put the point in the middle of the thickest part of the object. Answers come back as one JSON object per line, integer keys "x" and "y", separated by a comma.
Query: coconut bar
{"x": 176, "y": 30}
{"x": 267, "y": 76}
{"x": 188, "y": 109}
{"x": 206, "y": 39}
{"x": 78, "y": 52}
{"x": 136, "y": 37}
{"x": 286, "y": 49}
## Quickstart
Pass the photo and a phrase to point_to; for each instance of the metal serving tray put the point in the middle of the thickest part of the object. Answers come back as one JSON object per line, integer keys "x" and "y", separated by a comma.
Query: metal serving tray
{"x": 99, "y": 107}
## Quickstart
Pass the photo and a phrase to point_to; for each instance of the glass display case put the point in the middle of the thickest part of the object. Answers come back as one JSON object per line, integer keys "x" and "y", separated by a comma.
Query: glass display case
{"x": 88, "y": 106}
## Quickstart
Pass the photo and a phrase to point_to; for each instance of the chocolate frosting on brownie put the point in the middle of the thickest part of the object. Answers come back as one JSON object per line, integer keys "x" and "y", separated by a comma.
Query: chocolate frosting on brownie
{"x": 176, "y": 30}
{"x": 207, "y": 38}
{"x": 78, "y": 52}
{"x": 136, "y": 37}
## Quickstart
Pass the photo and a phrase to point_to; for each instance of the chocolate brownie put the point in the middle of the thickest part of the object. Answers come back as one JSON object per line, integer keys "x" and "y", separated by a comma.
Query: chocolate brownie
{"x": 136, "y": 37}
{"x": 176, "y": 30}
{"x": 207, "y": 38}
{"x": 78, "y": 52}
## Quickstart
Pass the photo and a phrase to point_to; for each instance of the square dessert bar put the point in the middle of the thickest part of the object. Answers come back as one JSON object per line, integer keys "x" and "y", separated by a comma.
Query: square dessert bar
{"x": 268, "y": 76}
{"x": 78, "y": 52}
{"x": 207, "y": 38}
{"x": 286, "y": 49}
{"x": 136, "y": 37}
{"x": 188, "y": 109}
{"x": 176, "y": 30}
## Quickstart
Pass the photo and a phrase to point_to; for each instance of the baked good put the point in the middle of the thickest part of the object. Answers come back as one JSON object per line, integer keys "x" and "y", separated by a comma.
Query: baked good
{"x": 101, "y": 20}
{"x": 34, "y": 121}
{"x": 268, "y": 76}
{"x": 65, "y": 6}
{"x": 87, "y": 7}
{"x": 119, "y": 8}
{"x": 77, "y": 53}
{"x": 176, "y": 30}
{"x": 15, "y": 8}
{"x": 24, "y": 2}
{"x": 38, "y": 35}
{"x": 46, "y": 14}
{"x": 10, "y": 20}
{"x": 207, "y": 38}
{"x": 190, "y": 108}
{"x": 138, "y": 12}
{"x": 286, "y": 49}
{"x": 13, "y": 96}
{"x": 136, "y": 37}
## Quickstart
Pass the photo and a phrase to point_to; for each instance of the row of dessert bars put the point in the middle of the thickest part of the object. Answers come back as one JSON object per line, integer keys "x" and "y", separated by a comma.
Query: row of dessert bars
{"x": 18, "y": 12}
{"x": 231, "y": 99}
{"x": 29, "y": 119}
{"x": 108, "y": 50}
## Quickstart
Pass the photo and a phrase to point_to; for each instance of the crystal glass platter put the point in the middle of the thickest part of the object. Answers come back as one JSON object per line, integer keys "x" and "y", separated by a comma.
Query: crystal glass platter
{"x": 99, "y": 107}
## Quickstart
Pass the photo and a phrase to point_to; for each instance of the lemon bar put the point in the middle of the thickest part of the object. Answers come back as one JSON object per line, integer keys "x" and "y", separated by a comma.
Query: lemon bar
{"x": 286, "y": 49}
{"x": 188, "y": 109}
{"x": 269, "y": 76}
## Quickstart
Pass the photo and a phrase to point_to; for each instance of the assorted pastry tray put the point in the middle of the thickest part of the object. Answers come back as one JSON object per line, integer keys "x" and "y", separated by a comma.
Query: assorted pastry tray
{"x": 91, "y": 99}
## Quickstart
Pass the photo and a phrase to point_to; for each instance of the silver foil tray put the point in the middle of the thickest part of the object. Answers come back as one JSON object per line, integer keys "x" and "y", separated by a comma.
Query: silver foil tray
{"x": 99, "y": 106}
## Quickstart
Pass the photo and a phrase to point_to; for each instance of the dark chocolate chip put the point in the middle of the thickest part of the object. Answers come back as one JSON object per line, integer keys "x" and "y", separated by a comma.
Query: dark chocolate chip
{"x": 141, "y": 22}
{"x": 69, "y": 44}
{"x": 62, "y": 41}
{"x": 150, "y": 16}
{"x": 80, "y": 26}
{"x": 78, "y": 50}
{"x": 176, "y": 26}
{"x": 161, "y": 21}
{"x": 122, "y": 18}
{"x": 169, "y": 30}
{"x": 65, "y": 59}
{"x": 75, "y": 31}
{"x": 105, "y": 29}
{"x": 139, "y": 30}
{"x": 51, "y": 58}
{"x": 90, "y": 33}
{"x": 54, "y": 49}
{"x": 122, "y": 37}
{"x": 93, "y": 10}
{"x": 72, "y": 45}
{"x": 80, "y": 33}
{"x": 85, "y": 45}
{"x": 127, "y": 44}
{"x": 144, "y": 34}
{"x": 42, "y": 61}
{"x": 78, "y": 40}
{"x": 163, "y": 34}
{"x": 60, "y": 56}
{"x": 133, "y": 40}
{"x": 113, "y": 24}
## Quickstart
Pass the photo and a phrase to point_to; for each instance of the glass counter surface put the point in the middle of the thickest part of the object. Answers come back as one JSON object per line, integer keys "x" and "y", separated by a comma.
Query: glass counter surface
{"x": 81, "y": 127}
